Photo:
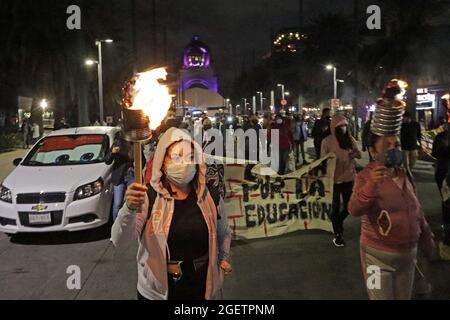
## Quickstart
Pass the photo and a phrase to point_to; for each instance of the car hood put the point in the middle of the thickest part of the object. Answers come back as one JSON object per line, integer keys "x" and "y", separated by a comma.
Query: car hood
{"x": 32, "y": 179}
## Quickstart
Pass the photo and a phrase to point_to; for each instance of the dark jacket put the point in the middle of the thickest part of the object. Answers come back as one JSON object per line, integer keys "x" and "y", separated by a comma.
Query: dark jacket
{"x": 441, "y": 151}
{"x": 286, "y": 139}
{"x": 366, "y": 134}
{"x": 121, "y": 161}
{"x": 318, "y": 132}
{"x": 410, "y": 135}
{"x": 251, "y": 151}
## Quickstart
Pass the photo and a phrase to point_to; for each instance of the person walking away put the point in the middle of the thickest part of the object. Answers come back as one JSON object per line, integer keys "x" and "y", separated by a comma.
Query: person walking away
{"x": 285, "y": 143}
{"x": 441, "y": 152}
{"x": 365, "y": 135}
{"x": 35, "y": 133}
{"x": 392, "y": 221}
{"x": 251, "y": 152}
{"x": 300, "y": 137}
{"x": 321, "y": 130}
{"x": 267, "y": 123}
{"x": 26, "y": 132}
{"x": 345, "y": 149}
{"x": 411, "y": 140}
{"x": 180, "y": 224}
{"x": 122, "y": 171}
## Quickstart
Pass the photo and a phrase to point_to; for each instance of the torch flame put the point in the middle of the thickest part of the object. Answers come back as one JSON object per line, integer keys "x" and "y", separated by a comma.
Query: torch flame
{"x": 151, "y": 96}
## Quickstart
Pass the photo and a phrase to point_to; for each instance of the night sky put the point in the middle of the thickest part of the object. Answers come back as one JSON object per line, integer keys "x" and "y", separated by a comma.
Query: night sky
{"x": 232, "y": 28}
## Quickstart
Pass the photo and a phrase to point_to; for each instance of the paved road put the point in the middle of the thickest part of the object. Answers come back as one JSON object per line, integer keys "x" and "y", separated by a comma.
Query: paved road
{"x": 300, "y": 265}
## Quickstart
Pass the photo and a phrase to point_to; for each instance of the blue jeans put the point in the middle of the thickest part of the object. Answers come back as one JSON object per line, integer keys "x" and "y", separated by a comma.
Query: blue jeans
{"x": 119, "y": 192}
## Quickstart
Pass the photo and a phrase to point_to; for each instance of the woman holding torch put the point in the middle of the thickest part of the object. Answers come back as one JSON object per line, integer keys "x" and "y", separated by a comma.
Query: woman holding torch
{"x": 182, "y": 230}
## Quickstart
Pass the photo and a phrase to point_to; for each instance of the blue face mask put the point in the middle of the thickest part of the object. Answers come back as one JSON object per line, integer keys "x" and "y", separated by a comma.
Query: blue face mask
{"x": 393, "y": 158}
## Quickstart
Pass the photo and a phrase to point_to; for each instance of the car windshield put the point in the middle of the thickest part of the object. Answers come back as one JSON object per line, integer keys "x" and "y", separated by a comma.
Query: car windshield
{"x": 68, "y": 150}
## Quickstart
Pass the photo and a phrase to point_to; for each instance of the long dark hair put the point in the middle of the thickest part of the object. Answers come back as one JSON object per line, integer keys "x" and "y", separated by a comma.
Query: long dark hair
{"x": 344, "y": 140}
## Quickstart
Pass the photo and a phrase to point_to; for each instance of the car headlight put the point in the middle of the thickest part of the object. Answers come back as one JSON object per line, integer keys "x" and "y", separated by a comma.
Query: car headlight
{"x": 5, "y": 194}
{"x": 89, "y": 190}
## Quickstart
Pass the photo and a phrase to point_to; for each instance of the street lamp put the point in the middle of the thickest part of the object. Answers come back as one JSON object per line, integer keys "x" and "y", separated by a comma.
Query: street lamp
{"x": 90, "y": 62}
{"x": 260, "y": 93}
{"x": 282, "y": 90}
{"x": 331, "y": 67}
{"x": 228, "y": 106}
{"x": 44, "y": 104}
{"x": 98, "y": 43}
{"x": 287, "y": 93}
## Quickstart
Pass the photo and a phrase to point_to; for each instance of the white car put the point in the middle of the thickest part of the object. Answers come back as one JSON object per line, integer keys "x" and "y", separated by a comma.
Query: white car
{"x": 63, "y": 183}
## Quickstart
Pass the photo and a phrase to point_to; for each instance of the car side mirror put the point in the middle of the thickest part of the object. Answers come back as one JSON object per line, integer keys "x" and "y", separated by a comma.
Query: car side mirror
{"x": 17, "y": 161}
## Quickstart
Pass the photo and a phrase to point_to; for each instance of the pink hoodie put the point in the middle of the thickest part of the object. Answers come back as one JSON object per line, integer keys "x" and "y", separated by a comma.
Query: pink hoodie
{"x": 392, "y": 218}
{"x": 153, "y": 251}
{"x": 345, "y": 167}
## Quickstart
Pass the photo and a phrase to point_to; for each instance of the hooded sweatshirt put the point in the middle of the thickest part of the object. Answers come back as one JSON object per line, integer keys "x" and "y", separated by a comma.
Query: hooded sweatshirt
{"x": 392, "y": 218}
{"x": 345, "y": 167}
{"x": 153, "y": 252}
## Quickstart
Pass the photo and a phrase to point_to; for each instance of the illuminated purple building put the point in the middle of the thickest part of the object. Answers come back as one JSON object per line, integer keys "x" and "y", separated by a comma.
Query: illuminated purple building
{"x": 196, "y": 71}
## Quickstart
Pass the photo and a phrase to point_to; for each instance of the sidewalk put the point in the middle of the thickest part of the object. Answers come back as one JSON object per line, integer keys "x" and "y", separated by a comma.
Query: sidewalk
{"x": 6, "y": 160}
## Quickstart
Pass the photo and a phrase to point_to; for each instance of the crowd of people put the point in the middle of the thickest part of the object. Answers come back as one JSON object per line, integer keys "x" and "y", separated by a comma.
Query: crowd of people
{"x": 179, "y": 218}
{"x": 394, "y": 232}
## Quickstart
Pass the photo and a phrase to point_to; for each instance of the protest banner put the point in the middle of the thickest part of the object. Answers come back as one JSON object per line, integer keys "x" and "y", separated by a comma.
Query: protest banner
{"x": 272, "y": 205}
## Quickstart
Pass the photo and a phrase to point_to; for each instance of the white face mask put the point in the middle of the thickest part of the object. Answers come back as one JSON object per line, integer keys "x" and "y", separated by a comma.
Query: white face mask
{"x": 181, "y": 174}
{"x": 279, "y": 121}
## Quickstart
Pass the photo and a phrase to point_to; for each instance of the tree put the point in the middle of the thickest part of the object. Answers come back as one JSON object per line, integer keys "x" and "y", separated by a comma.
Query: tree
{"x": 43, "y": 57}
{"x": 415, "y": 48}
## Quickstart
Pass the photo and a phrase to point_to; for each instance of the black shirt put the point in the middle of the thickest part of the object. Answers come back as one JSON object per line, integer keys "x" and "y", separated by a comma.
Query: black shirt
{"x": 410, "y": 135}
{"x": 188, "y": 236}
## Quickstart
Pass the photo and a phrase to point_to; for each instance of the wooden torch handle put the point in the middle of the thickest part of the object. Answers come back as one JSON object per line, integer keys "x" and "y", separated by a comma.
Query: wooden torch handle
{"x": 137, "y": 162}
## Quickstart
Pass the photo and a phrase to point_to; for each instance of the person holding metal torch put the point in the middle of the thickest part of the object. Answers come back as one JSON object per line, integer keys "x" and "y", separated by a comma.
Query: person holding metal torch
{"x": 393, "y": 224}
{"x": 441, "y": 151}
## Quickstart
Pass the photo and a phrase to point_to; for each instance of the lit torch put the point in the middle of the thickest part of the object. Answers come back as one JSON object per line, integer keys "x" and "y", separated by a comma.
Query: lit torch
{"x": 145, "y": 102}
{"x": 387, "y": 120}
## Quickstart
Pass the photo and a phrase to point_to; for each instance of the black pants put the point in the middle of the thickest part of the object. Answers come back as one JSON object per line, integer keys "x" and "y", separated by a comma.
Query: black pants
{"x": 189, "y": 287}
{"x": 283, "y": 161}
{"x": 337, "y": 215}
{"x": 440, "y": 177}
{"x": 317, "y": 147}
{"x": 300, "y": 147}
{"x": 248, "y": 171}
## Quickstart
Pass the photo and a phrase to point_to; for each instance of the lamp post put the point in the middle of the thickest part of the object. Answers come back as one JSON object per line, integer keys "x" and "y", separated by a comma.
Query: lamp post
{"x": 44, "y": 104}
{"x": 261, "y": 100}
{"x": 331, "y": 67}
{"x": 282, "y": 90}
{"x": 98, "y": 43}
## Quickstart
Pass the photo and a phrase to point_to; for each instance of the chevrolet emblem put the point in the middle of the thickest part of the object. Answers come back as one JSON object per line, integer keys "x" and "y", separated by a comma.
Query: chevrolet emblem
{"x": 39, "y": 207}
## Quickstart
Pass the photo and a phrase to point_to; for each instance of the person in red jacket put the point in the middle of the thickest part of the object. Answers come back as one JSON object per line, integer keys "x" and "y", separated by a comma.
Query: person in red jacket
{"x": 285, "y": 143}
{"x": 392, "y": 221}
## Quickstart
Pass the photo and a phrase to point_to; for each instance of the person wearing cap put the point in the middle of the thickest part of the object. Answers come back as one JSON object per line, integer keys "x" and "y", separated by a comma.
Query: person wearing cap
{"x": 393, "y": 225}
{"x": 180, "y": 223}
{"x": 321, "y": 130}
{"x": 345, "y": 149}
{"x": 411, "y": 140}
